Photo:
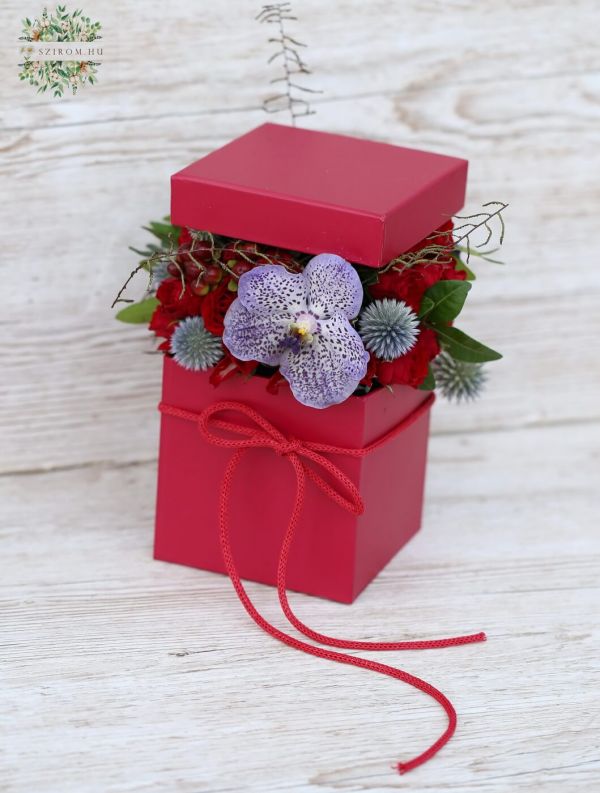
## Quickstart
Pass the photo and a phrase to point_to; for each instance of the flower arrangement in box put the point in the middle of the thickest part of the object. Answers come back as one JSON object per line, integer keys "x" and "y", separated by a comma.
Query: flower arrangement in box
{"x": 320, "y": 325}
{"x": 305, "y": 292}
{"x": 321, "y": 331}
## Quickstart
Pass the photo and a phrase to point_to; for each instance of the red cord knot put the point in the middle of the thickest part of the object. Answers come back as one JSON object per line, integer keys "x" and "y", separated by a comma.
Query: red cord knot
{"x": 292, "y": 446}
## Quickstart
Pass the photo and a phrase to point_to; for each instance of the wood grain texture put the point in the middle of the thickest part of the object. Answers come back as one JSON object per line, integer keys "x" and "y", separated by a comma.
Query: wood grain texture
{"x": 124, "y": 675}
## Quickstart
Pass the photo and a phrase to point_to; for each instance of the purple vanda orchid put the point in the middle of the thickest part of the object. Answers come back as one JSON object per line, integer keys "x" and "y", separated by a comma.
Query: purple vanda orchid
{"x": 301, "y": 323}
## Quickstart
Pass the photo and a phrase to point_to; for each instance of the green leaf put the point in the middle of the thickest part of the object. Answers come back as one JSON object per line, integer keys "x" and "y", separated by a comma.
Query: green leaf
{"x": 480, "y": 254}
{"x": 448, "y": 298}
{"x": 165, "y": 232}
{"x": 463, "y": 347}
{"x": 138, "y": 313}
{"x": 428, "y": 383}
{"x": 426, "y": 305}
{"x": 462, "y": 267}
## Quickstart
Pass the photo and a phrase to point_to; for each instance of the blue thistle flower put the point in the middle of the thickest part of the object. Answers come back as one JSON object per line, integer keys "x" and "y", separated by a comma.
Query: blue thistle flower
{"x": 158, "y": 275}
{"x": 458, "y": 381}
{"x": 194, "y": 347}
{"x": 389, "y": 328}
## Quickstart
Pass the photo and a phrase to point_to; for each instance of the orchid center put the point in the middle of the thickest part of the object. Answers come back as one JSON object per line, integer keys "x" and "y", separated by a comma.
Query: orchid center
{"x": 304, "y": 328}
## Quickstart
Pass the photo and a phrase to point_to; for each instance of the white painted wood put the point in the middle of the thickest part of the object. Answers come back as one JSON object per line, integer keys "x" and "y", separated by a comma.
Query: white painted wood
{"x": 124, "y": 674}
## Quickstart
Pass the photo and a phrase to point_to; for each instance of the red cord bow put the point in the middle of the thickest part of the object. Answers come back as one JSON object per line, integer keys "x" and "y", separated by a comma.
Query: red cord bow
{"x": 241, "y": 438}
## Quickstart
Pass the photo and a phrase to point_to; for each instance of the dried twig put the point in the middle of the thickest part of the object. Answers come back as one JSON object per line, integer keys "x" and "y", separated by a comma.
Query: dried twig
{"x": 292, "y": 64}
{"x": 170, "y": 256}
{"x": 480, "y": 220}
{"x": 435, "y": 253}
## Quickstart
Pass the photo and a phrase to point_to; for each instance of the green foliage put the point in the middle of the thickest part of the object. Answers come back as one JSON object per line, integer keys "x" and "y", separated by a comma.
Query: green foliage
{"x": 440, "y": 306}
{"x": 462, "y": 267}
{"x": 473, "y": 252}
{"x": 152, "y": 256}
{"x": 164, "y": 231}
{"x": 138, "y": 313}
{"x": 426, "y": 305}
{"x": 463, "y": 347}
{"x": 428, "y": 383}
{"x": 443, "y": 301}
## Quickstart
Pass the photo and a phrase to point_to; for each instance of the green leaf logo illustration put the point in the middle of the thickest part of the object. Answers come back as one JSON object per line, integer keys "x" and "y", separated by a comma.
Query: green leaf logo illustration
{"x": 41, "y": 34}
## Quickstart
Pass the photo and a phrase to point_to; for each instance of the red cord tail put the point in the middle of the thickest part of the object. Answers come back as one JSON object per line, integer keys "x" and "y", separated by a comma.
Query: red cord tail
{"x": 321, "y": 652}
{"x": 337, "y": 486}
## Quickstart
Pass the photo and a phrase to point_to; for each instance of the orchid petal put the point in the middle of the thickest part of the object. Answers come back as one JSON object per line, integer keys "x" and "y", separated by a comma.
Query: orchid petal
{"x": 327, "y": 370}
{"x": 332, "y": 284}
{"x": 254, "y": 336}
{"x": 271, "y": 289}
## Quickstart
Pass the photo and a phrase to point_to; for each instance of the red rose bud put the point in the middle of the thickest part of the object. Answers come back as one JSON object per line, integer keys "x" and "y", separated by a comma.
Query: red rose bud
{"x": 214, "y": 308}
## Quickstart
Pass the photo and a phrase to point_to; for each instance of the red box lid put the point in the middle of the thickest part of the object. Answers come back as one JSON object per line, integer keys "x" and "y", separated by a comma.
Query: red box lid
{"x": 319, "y": 193}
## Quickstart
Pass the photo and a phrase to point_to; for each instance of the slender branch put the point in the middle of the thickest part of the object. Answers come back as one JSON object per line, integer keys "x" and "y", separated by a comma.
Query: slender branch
{"x": 170, "y": 256}
{"x": 291, "y": 63}
{"x": 480, "y": 220}
{"x": 436, "y": 253}
{"x": 134, "y": 272}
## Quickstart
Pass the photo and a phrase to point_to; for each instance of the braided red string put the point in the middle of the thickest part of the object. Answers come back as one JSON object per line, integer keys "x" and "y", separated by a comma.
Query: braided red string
{"x": 264, "y": 434}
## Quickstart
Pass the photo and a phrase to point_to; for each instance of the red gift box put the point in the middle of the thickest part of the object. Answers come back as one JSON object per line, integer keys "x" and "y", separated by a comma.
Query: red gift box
{"x": 314, "y": 192}
{"x": 317, "y": 192}
{"x": 258, "y": 485}
{"x": 335, "y": 553}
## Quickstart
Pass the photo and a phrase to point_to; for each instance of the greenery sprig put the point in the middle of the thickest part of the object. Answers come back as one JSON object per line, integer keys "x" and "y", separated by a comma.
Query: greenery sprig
{"x": 292, "y": 64}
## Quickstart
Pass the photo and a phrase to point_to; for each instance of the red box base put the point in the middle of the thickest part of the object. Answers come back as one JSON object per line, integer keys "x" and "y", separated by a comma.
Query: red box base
{"x": 335, "y": 554}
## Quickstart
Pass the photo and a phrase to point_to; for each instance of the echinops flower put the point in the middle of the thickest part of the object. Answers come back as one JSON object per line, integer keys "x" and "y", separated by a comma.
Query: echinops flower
{"x": 458, "y": 381}
{"x": 158, "y": 274}
{"x": 389, "y": 328}
{"x": 194, "y": 347}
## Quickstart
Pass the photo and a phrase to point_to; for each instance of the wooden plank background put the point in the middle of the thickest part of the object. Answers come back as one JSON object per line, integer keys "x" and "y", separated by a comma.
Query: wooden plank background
{"x": 124, "y": 674}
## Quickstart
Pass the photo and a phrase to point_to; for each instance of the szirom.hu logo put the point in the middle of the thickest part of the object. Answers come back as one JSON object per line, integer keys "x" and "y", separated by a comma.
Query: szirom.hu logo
{"x": 61, "y": 51}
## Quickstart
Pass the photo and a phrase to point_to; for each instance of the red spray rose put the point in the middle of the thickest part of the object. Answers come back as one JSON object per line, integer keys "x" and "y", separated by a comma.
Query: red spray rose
{"x": 441, "y": 236}
{"x": 215, "y": 305}
{"x": 229, "y": 366}
{"x": 176, "y": 301}
{"x": 411, "y": 283}
{"x": 276, "y": 382}
{"x": 184, "y": 237}
{"x": 371, "y": 370}
{"x": 411, "y": 368}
